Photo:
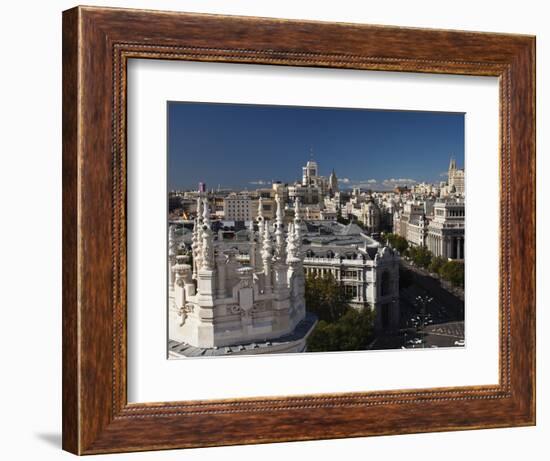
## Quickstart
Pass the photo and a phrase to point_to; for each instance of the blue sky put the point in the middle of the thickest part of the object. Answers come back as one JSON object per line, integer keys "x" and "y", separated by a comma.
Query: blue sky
{"x": 247, "y": 146}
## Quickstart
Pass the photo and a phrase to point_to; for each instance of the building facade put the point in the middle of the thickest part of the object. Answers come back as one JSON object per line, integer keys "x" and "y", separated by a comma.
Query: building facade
{"x": 238, "y": 207}
{"x": 445, "y": 236}
{"x": 456, "y": 179}
{"x": 411, "y": 223}
{"x": 368, "y": 271}
{"x": 221, "y": 303}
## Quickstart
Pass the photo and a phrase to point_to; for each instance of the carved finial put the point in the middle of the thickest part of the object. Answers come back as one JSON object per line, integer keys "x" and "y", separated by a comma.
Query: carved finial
{"x": 290, "y": 243}
{"x": 267, "y": 257}
{"x": 207, "y": 245}
{"x": 206, "y": 214}
{"x": 297, "y": 219}
{"x": 171, "y": 241}
{"x": 260, "y": 209}
{"x": 196, "y": 247}
{"x": 279, "y": 231}
{"x": 267, "y": 247}
{"x": 199, "y": 208}
{"x": 182, "y": 272}
{"x": 261, "y": 222}
{"x": 297, "y": 241}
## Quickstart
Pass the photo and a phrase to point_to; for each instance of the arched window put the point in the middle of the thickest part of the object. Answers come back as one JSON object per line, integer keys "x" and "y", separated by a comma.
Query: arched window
{"x": 385, "y": 285}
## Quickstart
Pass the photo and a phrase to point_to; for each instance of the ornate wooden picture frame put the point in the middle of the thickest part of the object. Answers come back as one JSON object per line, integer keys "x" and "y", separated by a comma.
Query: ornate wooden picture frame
{"x": 97, "y": 44}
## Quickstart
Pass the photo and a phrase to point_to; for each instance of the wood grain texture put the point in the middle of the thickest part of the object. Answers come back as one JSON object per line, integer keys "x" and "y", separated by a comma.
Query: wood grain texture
{"x": 70, "y": 384}
{"x": 97, "y": 42}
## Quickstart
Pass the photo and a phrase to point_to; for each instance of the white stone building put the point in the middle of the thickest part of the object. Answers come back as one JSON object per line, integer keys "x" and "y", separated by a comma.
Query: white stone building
{"x": 442, "y": 233}
{"x": 371, "y": 216}
{"x": 313, "y": 188}
{"x": 412, "y": 223}
{"x": 333, "y": 183}
{"x": 223, "y": 303}
{"x": 456, "y": 178}
{"x": 368, "y": 271}
{"x": 238, "y": 207}
{"x": 445, "y": 233}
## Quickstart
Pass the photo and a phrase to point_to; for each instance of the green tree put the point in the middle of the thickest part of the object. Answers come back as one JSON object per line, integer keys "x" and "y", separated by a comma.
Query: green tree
{"x": 453, "y": 271}
{"x": 420, "y": 256}
{"x": 353, "y": 331}
{"x": 397, "y": 242}
{"x": 325, "y": 297}
{"x": 436, "y": 264}
{"x": 340, "y": 327}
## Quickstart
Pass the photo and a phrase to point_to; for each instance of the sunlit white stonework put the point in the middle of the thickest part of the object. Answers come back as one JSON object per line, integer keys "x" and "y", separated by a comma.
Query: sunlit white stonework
{"x": 221, "y": 303}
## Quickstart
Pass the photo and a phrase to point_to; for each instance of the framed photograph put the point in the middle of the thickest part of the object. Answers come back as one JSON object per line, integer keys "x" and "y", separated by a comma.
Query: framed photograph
{"x": 282, "y": 230}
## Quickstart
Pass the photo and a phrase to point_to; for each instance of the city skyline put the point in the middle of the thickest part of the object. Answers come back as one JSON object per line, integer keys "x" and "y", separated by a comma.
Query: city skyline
{"x": 255, "y": 145}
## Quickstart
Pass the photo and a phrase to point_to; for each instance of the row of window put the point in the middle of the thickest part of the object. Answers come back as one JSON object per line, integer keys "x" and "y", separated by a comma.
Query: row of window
{"x": 456, "y": 213}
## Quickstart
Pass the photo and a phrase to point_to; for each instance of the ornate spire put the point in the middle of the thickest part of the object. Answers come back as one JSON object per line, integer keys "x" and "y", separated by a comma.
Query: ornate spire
{"x": 195, "y": 248}
{"x": 196, "y": 244}
{"x": 279, "y": 232}
{"x": 261, "y": 222}
{"x": 199, "y": 208}
{"x": 253, "y": 251}
{"x": 207, "y": 244}
{"x": 260, "y": 209}
{"x": 267, "y": 258}
{"x": 452, "y": 164}
{"x": 297, "y": 241}
{"x": 266, "y": 247}
{"x": 297, "y": 218}
{"x": 171, "y": 241}
{"x": 291, "y": 244}
{"x": 172, "y": 250}
{"x": 297, "y": 228}
{"x": 206, "y": 214}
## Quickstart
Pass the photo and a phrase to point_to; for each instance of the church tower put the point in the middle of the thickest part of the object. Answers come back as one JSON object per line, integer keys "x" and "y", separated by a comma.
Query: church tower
{"x": 456, "y": 178}
{"x": 452, "y": 165}
{"x": 333, "y": 183}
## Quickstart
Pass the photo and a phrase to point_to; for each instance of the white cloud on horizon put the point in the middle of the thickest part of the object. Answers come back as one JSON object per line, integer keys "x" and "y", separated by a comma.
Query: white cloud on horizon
{"x": 388, "y": 183}
{"x": 370, "y": 183}
{"x": 357, "y": 182}
{"x": 393, "y": 182}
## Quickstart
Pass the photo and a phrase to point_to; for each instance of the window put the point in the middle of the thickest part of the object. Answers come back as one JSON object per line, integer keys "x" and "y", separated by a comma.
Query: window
{"x": 351, "y": 290}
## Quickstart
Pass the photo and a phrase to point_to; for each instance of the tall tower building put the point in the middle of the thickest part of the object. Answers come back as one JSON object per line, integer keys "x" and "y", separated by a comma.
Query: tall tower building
{"x": 333, "y": 183}
{"x": 310, "y": 172}
{"x": 456, "y": 178}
